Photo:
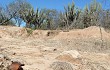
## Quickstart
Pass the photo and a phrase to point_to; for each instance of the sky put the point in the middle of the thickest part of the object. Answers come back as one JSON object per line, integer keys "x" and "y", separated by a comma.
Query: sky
{"x": 57, "y": 4}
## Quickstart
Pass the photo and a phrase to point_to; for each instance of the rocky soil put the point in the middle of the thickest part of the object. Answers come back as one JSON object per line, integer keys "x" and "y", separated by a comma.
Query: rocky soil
{"x": 78, "y": 49}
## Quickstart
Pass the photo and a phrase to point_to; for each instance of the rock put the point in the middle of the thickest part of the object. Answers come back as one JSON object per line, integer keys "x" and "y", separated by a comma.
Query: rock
{"x": 2, "y": 56}
{"x": 71, "y": 56}
{"x": 16, "y": 66}
{"x": 73, "y": 53}
{"x": 1, "y": 49}
{"x": 4, "y": 65}
{"x": 14, "y": 53}
{"x": 18, "y": 60}
{"x": 7, "y": 64}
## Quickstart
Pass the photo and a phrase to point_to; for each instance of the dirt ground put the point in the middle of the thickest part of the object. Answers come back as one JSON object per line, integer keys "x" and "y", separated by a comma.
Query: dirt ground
{"x": 83, "y": 49}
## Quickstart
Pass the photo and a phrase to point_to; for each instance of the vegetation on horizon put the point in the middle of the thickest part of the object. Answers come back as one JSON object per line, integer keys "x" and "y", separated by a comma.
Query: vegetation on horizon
{"x": 21, "y": 10}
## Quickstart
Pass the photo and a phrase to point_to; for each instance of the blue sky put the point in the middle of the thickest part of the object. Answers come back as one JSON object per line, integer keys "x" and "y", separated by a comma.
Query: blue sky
{"x": 56, "y": 4}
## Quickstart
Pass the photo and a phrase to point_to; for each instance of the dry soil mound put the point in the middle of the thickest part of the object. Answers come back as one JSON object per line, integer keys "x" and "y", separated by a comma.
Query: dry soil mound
{"x": 55, "y": 51}
{"x": 90, "y": 32}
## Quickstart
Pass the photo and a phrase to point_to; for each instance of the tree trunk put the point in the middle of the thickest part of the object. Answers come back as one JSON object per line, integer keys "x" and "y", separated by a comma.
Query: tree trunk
{"x": 28, "y": 25}
{"x": 19, "y": 24}
{"x": 48, "y": 25}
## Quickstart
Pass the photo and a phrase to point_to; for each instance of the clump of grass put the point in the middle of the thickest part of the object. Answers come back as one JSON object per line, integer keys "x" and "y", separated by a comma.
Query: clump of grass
{"x": 52, "y": 33}
{"x": 61, "y": 66}
{"x": 29, "y": 31}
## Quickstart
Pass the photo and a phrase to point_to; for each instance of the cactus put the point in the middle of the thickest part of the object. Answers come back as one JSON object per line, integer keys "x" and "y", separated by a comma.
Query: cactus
{"x": 71, "y": 15}
{"x": 91, "y": 14}
{"x": 38, "y": 18}
{"x": 27, "y": 17}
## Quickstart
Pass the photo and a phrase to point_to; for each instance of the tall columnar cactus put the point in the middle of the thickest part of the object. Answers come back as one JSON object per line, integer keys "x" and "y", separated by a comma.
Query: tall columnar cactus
{"x": 38, "y": 18}
{"x": 28, "y": 16}
{"x": 95, "y": 9}
{"x": 71, "y": 15}
{"x": 91, "y": 14}
{"x": 86, "y": 17}
{"x": 33, "y": 19}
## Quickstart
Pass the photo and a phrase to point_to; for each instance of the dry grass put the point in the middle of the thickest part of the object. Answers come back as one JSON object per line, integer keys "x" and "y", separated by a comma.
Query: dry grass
{"x": 29, "y": 49}
{"x": 61, "y": 66}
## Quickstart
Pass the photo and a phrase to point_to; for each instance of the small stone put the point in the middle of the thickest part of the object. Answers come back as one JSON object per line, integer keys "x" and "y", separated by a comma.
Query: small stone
{"x": 49, "y": 49}
{"x": 14, "y": 53}
{"x": 2, "y": 56}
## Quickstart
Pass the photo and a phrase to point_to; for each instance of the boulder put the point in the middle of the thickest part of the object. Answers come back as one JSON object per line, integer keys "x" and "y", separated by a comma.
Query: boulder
{"x": 73, "y": 53}
{"x": 16, "y": 66}
{"x": 71, "y": 56}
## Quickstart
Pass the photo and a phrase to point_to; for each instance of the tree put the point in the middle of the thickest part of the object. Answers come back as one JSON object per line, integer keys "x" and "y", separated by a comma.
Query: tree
{"x": 20, "y": 7}
{"x": 5, "y": 16}
{"x": 50, "y": 15}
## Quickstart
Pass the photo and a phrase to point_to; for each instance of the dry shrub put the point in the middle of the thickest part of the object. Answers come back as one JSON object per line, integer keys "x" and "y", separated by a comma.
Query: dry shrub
{"x": 61, "y": 66}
